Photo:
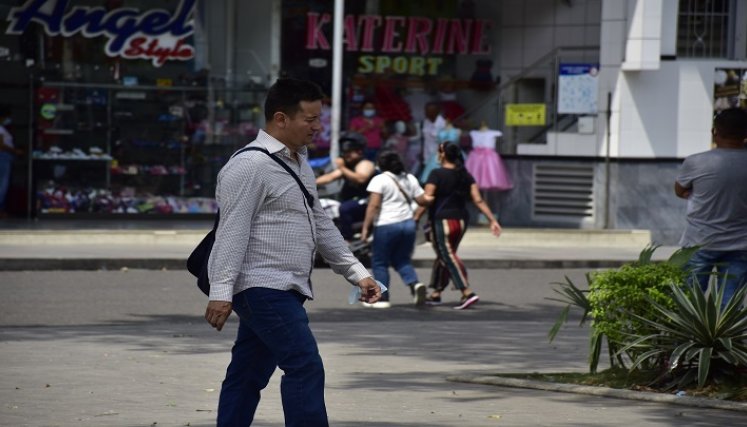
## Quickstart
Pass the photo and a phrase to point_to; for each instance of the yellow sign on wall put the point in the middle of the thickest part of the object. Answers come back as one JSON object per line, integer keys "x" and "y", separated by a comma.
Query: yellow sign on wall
{"x": 525, "y": 114}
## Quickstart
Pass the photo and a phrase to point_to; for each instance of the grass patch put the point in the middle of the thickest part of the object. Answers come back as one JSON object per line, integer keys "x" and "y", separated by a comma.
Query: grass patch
{"x": 732, "y": 387}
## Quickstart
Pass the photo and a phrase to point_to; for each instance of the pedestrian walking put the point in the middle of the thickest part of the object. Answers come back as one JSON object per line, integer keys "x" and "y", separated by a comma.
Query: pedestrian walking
{"x": 714, "y": 183}
{"x": 390, "y": 209}
{"x": 452, "y": 187}
{"x": 261, "y": 263}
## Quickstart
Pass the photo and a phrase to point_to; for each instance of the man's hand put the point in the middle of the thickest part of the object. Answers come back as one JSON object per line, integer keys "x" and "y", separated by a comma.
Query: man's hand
{"x": 370, "y": 291}
{"x": 682, "y": 192}
{"x": 217, "y": 313}
{"x": 339, "y": 162}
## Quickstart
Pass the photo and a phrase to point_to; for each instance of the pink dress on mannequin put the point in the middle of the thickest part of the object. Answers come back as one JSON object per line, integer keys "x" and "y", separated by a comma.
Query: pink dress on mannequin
{"x": 485, "y": 165}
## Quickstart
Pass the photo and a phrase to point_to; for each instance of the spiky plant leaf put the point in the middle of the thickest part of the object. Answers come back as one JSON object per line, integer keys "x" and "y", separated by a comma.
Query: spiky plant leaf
{"x": 704, "y": 365}
{"x": 646, "y": 254}
{"x": 682, "y": 256}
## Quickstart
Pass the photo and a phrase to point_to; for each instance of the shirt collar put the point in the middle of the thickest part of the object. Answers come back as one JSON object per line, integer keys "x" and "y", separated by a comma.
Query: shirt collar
{"x": 274, "y": 146}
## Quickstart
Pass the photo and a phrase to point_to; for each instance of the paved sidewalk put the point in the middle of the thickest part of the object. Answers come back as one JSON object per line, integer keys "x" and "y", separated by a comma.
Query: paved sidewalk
{"x": 161, "y": 248}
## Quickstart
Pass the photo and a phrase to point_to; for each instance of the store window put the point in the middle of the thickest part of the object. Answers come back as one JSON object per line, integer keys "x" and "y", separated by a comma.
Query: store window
{"x": 126, "y": 118}
{"x": 397, "y": 57}
{"x": 705, "y": 28}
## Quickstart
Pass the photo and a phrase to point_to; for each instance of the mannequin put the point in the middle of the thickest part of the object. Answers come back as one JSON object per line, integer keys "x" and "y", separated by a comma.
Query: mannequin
{"x": 449, "y": 133}
{"x": 484, "y": 163}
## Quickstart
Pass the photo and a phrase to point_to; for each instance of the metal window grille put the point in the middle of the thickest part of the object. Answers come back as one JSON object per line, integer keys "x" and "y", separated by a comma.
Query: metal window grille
{"x": 563, "y": 193}
{"x": 703, "y": 28}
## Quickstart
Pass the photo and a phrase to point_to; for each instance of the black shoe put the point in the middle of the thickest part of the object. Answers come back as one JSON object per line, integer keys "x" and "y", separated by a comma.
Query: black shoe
{"x": 431, "y": 300}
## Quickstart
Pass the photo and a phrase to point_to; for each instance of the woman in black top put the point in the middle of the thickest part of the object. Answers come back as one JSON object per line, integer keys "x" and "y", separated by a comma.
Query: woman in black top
{"x": 452, "y": 186}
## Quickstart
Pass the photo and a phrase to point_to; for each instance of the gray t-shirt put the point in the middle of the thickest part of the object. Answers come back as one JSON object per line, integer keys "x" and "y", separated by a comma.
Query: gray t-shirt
{"x": 717, "y": 207}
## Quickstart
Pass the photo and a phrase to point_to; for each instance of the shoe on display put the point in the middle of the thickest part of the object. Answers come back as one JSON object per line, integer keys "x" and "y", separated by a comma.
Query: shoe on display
{"x": 467, "y": 301}
{"x": 418, "y": 294}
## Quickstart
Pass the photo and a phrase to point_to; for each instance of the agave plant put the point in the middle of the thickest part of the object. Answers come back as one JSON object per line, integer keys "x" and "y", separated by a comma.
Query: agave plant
{"x": 573, "y": 296}
{"x": 696, "y": 335}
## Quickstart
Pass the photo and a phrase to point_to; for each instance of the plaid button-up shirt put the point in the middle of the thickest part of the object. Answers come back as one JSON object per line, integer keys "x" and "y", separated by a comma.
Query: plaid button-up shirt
{"x": 268, "y": 235}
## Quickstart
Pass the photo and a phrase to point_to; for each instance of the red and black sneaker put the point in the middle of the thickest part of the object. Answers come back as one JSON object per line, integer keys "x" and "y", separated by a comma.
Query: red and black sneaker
{"x": 467, "y": 301}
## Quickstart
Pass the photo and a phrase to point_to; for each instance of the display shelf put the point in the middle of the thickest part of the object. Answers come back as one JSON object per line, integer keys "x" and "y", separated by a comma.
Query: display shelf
{"x": 75, "y": 159}
{"x": 164, "y": 144}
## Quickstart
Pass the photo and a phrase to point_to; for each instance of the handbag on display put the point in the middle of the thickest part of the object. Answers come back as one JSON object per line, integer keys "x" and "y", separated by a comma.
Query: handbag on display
{"x": 197, "y": 262}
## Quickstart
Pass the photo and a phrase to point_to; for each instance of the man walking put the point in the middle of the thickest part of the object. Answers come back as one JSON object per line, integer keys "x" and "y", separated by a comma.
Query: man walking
{"x": 715, "y": 186}
{"x": 261, "y": 263}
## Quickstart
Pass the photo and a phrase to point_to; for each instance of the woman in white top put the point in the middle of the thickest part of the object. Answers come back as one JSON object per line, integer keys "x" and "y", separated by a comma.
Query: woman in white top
{"x": 392, "y": 194}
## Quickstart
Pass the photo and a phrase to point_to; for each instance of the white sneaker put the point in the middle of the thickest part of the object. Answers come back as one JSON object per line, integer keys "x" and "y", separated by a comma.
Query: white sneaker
{"x": 377, "y": 304}
{"x": 419, "y": 294}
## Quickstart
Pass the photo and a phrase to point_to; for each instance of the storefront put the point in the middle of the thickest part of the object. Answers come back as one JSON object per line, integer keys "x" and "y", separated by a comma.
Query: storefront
{"x": 117, "y": 108}
{"x": 137, "y": 106}
{"x": 397, "y": 55}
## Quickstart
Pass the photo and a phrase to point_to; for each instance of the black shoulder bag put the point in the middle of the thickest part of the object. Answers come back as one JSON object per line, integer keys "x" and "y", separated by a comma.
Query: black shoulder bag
{"x": 197, "y": 263}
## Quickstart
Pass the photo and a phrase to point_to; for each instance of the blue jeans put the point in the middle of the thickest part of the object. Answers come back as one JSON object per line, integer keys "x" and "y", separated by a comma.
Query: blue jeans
{"x": 273, "y": 331}
{"x": 731, "y": 267}
{"x": 6, "y": 160}
{"x": 393, "y": 244}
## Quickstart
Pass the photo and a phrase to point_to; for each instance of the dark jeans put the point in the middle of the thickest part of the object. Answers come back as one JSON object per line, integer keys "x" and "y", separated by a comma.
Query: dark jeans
{"x": 351, "y": 211}
{"x": 731, "y": 267}
{"x": 273, "y": 331}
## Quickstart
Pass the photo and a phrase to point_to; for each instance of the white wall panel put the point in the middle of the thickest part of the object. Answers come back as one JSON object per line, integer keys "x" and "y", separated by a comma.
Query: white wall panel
{"x": 669, "y": 27}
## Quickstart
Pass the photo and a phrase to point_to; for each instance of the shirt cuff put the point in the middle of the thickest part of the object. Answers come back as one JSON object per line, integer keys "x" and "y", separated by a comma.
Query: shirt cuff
{"x": 221, "y": 293}
{"x": 356, "y": 273}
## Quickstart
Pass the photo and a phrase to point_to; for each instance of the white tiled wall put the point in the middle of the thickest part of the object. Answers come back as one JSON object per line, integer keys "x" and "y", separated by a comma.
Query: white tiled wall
{"x": 643, "y": 47}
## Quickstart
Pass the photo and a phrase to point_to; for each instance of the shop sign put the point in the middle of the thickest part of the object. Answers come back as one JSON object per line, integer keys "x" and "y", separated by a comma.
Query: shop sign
{"x": 578, "y": 88}
{"x": 407, "y": 45}
{"x": 156, "y": 34}
{"x": 525, "y": 114}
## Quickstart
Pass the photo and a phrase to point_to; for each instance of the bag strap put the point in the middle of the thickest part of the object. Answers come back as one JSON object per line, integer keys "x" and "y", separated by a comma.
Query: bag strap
{"x": 409, "y": 200}
{"x": 309, "y": 197}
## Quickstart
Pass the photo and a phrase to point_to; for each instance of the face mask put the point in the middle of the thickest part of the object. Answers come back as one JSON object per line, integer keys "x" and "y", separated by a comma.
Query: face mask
{"x": 369, "y": 113}
{"x": 400, "y": 127}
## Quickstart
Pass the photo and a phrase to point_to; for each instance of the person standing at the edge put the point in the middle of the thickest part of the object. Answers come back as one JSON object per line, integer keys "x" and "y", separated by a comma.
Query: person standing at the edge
{"x": 714, "y": 183}
{"x": 260, "y": 265}
{"x": 8, "y": 153}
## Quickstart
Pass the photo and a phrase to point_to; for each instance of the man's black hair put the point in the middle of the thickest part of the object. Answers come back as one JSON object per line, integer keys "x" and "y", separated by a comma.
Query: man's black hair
{"x": 731, "y": 123}
{"x": 286, "y": 95}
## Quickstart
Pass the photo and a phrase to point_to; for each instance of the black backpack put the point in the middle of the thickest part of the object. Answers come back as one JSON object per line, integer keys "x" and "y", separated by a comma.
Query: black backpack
{"x": 197, "y": 263}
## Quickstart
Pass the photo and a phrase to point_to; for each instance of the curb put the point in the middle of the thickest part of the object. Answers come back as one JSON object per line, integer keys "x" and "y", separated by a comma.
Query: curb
{"x": 87, "y": 264}
{"x": 70, "y": 264}
{"x": 602, "y": 391}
